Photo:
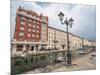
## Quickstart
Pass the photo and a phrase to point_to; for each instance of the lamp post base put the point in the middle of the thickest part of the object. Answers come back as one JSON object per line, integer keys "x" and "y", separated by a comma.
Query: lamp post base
{"x": 69, "y": 58}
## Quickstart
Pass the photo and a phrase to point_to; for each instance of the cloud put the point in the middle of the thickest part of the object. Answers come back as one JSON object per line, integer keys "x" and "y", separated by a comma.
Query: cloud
{"x": 84, "y": 18}
{"x": 83, "y": 15}
{"x": 85, "y": 21}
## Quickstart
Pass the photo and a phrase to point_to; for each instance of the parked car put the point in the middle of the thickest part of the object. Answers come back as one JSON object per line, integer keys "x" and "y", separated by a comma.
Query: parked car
{"x": 61, "y": 59}
{"x": 81, "y": 51}
{"x": 93, "y": 54}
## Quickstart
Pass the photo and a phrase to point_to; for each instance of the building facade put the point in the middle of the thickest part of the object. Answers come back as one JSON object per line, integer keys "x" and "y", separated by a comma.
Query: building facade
{"x": 57, "y": 37}
{"x": 31, "y": 30}
{"x": 32, "y": 33}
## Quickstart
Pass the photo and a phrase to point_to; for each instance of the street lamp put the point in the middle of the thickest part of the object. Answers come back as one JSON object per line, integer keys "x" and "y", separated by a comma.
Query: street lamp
{"x": 68, "y": 23}
{"x": 50, "y": 56}
{"x": 82, "y": 43}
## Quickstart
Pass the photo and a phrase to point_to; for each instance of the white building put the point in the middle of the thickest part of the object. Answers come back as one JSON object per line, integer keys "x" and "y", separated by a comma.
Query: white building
{"x": 57, "y": 37}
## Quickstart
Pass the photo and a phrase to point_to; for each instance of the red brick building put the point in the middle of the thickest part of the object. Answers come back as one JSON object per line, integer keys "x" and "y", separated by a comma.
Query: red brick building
{"x": 31, "y": 29}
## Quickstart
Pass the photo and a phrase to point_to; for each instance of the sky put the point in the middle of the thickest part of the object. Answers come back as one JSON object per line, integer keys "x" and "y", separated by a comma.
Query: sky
{"x": 84, "y": 16}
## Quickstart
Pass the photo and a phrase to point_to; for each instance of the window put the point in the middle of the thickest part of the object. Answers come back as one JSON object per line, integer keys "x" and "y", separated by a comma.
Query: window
{"x": 33, "y": 30}
{"x": 29, "y": 35}
{"x": 33, "y": 35}
{"x": 21, "y": 34}
{"x": 73, "y": 46}
{"x": 19, "y": 47}
{"x": 33, "y": 25}
{"x": 49, "y": 41}
{"x": 37, "y": 26}
{"x": 37, "y": 36}
{"x": 21, "y": 28}
{"x": 34, "y": 21}
{"x": 44, "y": 41}
{"x": 30, "y": 20}
{"x": 22, "y": 23}
{"x": 29, "y": 25}
{"x": 64, "y": 54}
{"x": 37, "y": 22}
{"x": 37, "y": 31}
{"x": 49, "y": 37}
{"x": 22, "y": 18}
{"x": 29, "y": 30}
{"x": 49, "y": 33}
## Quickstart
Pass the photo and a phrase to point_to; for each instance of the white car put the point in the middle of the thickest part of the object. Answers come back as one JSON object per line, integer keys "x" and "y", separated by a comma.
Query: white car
{"x": 61, "y": 59}
{"x": 93, "y": 54}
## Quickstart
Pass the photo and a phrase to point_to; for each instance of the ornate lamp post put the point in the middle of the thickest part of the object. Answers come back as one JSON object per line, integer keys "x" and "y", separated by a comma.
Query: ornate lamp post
{"x": 82, "y": 43}
{"x": 68, "y": 23}
{"x": 50, "y": 56}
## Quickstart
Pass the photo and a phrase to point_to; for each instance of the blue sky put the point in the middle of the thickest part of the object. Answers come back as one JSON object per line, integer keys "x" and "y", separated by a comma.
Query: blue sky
{"x": 84, "y": 16}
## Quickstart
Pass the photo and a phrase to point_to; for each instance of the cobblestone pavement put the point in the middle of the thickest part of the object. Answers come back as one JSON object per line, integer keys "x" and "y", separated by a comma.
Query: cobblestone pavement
{"x": 86, "y": 62}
